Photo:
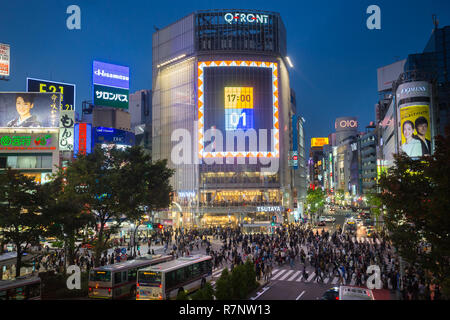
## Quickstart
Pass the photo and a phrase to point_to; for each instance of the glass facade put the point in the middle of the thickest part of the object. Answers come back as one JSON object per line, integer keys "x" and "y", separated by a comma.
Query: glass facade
{"x": 253, "y": 31}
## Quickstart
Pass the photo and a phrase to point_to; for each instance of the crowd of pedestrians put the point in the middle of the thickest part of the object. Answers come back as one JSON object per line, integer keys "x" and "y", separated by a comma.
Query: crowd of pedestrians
{"x": 329, "y": 254}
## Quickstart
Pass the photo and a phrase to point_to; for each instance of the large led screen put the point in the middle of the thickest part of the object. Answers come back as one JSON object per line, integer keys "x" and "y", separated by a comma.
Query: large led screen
{"x": 237, "y": 96}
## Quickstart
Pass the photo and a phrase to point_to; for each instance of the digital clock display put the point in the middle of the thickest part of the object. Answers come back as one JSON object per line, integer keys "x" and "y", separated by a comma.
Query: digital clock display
{"x": 238, "y": 108}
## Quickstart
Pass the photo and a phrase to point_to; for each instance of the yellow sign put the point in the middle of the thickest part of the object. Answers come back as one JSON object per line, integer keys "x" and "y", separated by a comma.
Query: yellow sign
{"x": 415, "y": 130}
{"x": 319, "y": 142}
{"x": 238, "y": 98}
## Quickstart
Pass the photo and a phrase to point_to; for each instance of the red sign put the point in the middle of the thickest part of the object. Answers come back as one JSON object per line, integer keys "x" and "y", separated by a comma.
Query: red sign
{"x": 82, "y": 138}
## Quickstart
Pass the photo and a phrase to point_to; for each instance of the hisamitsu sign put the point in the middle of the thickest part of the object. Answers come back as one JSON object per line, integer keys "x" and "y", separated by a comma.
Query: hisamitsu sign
{"x": 111, "y": 75}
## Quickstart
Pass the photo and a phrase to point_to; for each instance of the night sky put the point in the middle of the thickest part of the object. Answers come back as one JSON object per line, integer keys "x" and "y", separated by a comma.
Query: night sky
{"x": 335, "y": 56}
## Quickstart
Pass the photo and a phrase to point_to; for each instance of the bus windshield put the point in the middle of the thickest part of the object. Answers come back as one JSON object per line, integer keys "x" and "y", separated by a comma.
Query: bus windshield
{"x": 149, "y": 277}
{"x": 104, "y": 276}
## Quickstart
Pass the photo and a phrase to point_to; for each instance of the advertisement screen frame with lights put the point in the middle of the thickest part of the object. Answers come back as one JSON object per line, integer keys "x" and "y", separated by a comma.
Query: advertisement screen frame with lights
{"x": 273, "y": 150}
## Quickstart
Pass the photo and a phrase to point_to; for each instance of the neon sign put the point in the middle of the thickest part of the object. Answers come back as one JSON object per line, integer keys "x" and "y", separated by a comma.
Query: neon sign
{"x": 26, "y": 142}
{"x": 246, "y": 18}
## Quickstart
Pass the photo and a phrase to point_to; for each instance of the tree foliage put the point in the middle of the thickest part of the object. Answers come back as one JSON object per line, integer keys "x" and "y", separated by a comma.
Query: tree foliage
{"x": 21, "y": 218}
{"x": 316, "y": 199}
{"x": 416, "y": 196}
{"x": 116, "y": 185}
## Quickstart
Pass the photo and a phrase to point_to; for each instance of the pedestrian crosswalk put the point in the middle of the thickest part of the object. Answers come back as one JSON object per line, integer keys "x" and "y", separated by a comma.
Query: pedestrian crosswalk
{"x": 366, "y": 240}
{"x": 297, "y": 276}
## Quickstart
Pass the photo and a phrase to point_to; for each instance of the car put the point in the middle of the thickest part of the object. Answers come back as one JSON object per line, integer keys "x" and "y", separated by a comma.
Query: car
{"x": 322, "y": 219}
{"x": 355, "y": 293}
{"x": 321, "y": 224}
{"x": 331, "y": 294}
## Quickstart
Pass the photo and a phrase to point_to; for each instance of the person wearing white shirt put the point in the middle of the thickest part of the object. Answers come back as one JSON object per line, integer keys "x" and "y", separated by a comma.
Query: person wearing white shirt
{"x": 412, "y": 147}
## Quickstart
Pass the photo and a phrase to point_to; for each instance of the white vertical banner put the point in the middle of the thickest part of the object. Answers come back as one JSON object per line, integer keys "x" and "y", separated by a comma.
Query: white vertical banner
{"x": 4, "y": 60}
{"x": 66, "y": 130}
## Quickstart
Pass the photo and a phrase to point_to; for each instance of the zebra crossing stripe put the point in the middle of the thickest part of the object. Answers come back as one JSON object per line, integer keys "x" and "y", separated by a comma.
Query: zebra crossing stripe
{"x": 278, "y": 274}
{"x": 353, "y": 282}
{"x": 311, "y": 277}
{"x": 299, "y": 279}
{"x": 335, "y": 280}
{"x": 294, "y": 276}
{"x": 275, "y": 271}
{"x": 326, "y": 280}
{"x": 286, "y": 274}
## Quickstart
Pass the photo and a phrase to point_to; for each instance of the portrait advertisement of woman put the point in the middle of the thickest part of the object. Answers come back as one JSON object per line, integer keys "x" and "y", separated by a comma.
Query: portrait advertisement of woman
{"x": 412, "y": 147}
{"x": 29, "y": 109}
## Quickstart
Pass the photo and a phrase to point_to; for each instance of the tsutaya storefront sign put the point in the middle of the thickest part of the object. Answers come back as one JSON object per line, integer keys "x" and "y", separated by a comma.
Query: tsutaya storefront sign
{"x": 246, "y": 18}
{"x": 269, "y": 209}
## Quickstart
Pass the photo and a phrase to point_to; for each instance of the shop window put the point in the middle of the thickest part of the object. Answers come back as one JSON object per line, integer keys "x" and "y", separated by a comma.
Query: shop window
{"x": 3, "y": 162}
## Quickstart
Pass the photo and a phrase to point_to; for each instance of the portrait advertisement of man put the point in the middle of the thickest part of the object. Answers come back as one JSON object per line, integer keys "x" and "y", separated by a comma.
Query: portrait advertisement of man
{"x": 29, "y": 110}
{"x": 415, "y": 130}
{"x": 421, "y": 124}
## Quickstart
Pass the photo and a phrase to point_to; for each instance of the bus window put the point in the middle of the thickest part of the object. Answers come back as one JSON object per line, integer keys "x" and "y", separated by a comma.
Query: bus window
{"x": 103, "y": 276}
{"x": 150, "y": 277}
{"x": 132, "y": 274}
{"x": 171, "y": 279}
{"x": 3, "y": 295}
{"x": 34, "y": 291}
{"x": 17, "y": 293}
{"x": 180, "y": 275}
{"x": 124, "y": 276}
{"x": 196, "y": 270}
{"x": 117, "y": 278}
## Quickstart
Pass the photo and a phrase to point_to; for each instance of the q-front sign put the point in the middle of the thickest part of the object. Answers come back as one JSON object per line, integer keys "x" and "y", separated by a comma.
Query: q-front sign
{"x": 246, "y": 18}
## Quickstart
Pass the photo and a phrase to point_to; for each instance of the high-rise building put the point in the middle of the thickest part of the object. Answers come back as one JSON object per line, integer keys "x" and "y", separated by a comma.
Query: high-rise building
{"x": 367, "y": 147}
{"x": 141, "y": 118}
{"x": 220, "y": 79}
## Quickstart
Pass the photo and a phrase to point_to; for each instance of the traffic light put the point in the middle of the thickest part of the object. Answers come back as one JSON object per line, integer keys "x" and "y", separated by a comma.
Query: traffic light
{"x": 160, "y": 226}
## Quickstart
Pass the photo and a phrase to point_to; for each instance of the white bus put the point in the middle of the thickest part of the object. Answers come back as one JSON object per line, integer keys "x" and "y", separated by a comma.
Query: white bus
{"x": 119, "y": 280}
{"x": 22, "y": 288}
{"x": 166, "y": 280}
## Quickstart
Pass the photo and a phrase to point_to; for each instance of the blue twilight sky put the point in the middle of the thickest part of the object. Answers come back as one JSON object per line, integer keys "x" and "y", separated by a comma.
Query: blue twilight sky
{"x": 335, "y": 56}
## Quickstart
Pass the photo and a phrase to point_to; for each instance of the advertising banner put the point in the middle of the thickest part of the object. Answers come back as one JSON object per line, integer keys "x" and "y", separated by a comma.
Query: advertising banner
{"x": 413, "y": 90}
{"x": 83, "y": 139}
{"x": 318, "y": 142}
{"x": 27, "y": 141}
{"x": 4, "y": 60}
{"x": 111, "y": 75}
{"x": 110, "y": 97}
{"x": 66, "y": 135}
{"x": 113, "y": 136}
{"x": 29, "y": 110}
{"x": 346, "y": 123}
{"x": 67, "y": 91}
{"x": 415, "y": 130}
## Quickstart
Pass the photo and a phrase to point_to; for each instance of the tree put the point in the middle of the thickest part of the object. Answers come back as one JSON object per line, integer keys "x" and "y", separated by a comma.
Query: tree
{"x": 315, "y": 199}
{"x": 224, "y": 289}
{"x": 65, "y": 215}
{"x": 250, "y": 275}
{"x": 21, "y": 219}
{"x": 416, "y": 196}
{"x": 117, "y": 185}
{"x": 375, "y": 203}
{"x": 239, "y": 283}
{"x": 205, "y": 293}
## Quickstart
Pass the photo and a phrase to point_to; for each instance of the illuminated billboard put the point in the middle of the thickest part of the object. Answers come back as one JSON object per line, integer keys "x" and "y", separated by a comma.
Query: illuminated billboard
{"x": 67, "y": 91}
{"x": 29, "y": 110}
{"x": 110, "y": 97}
{"x": 4, "y": 59}
{"x": 83, "y": 139}
{"x": 415, "y": 130}
{"x": 104, "y": 135}
{"x": 346, "y": 123}
{"x": 25, "y": 140}
{"x": 110, "y": 75}
{"x": 238, "y": 96}
{"x": 318, "y": 142}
